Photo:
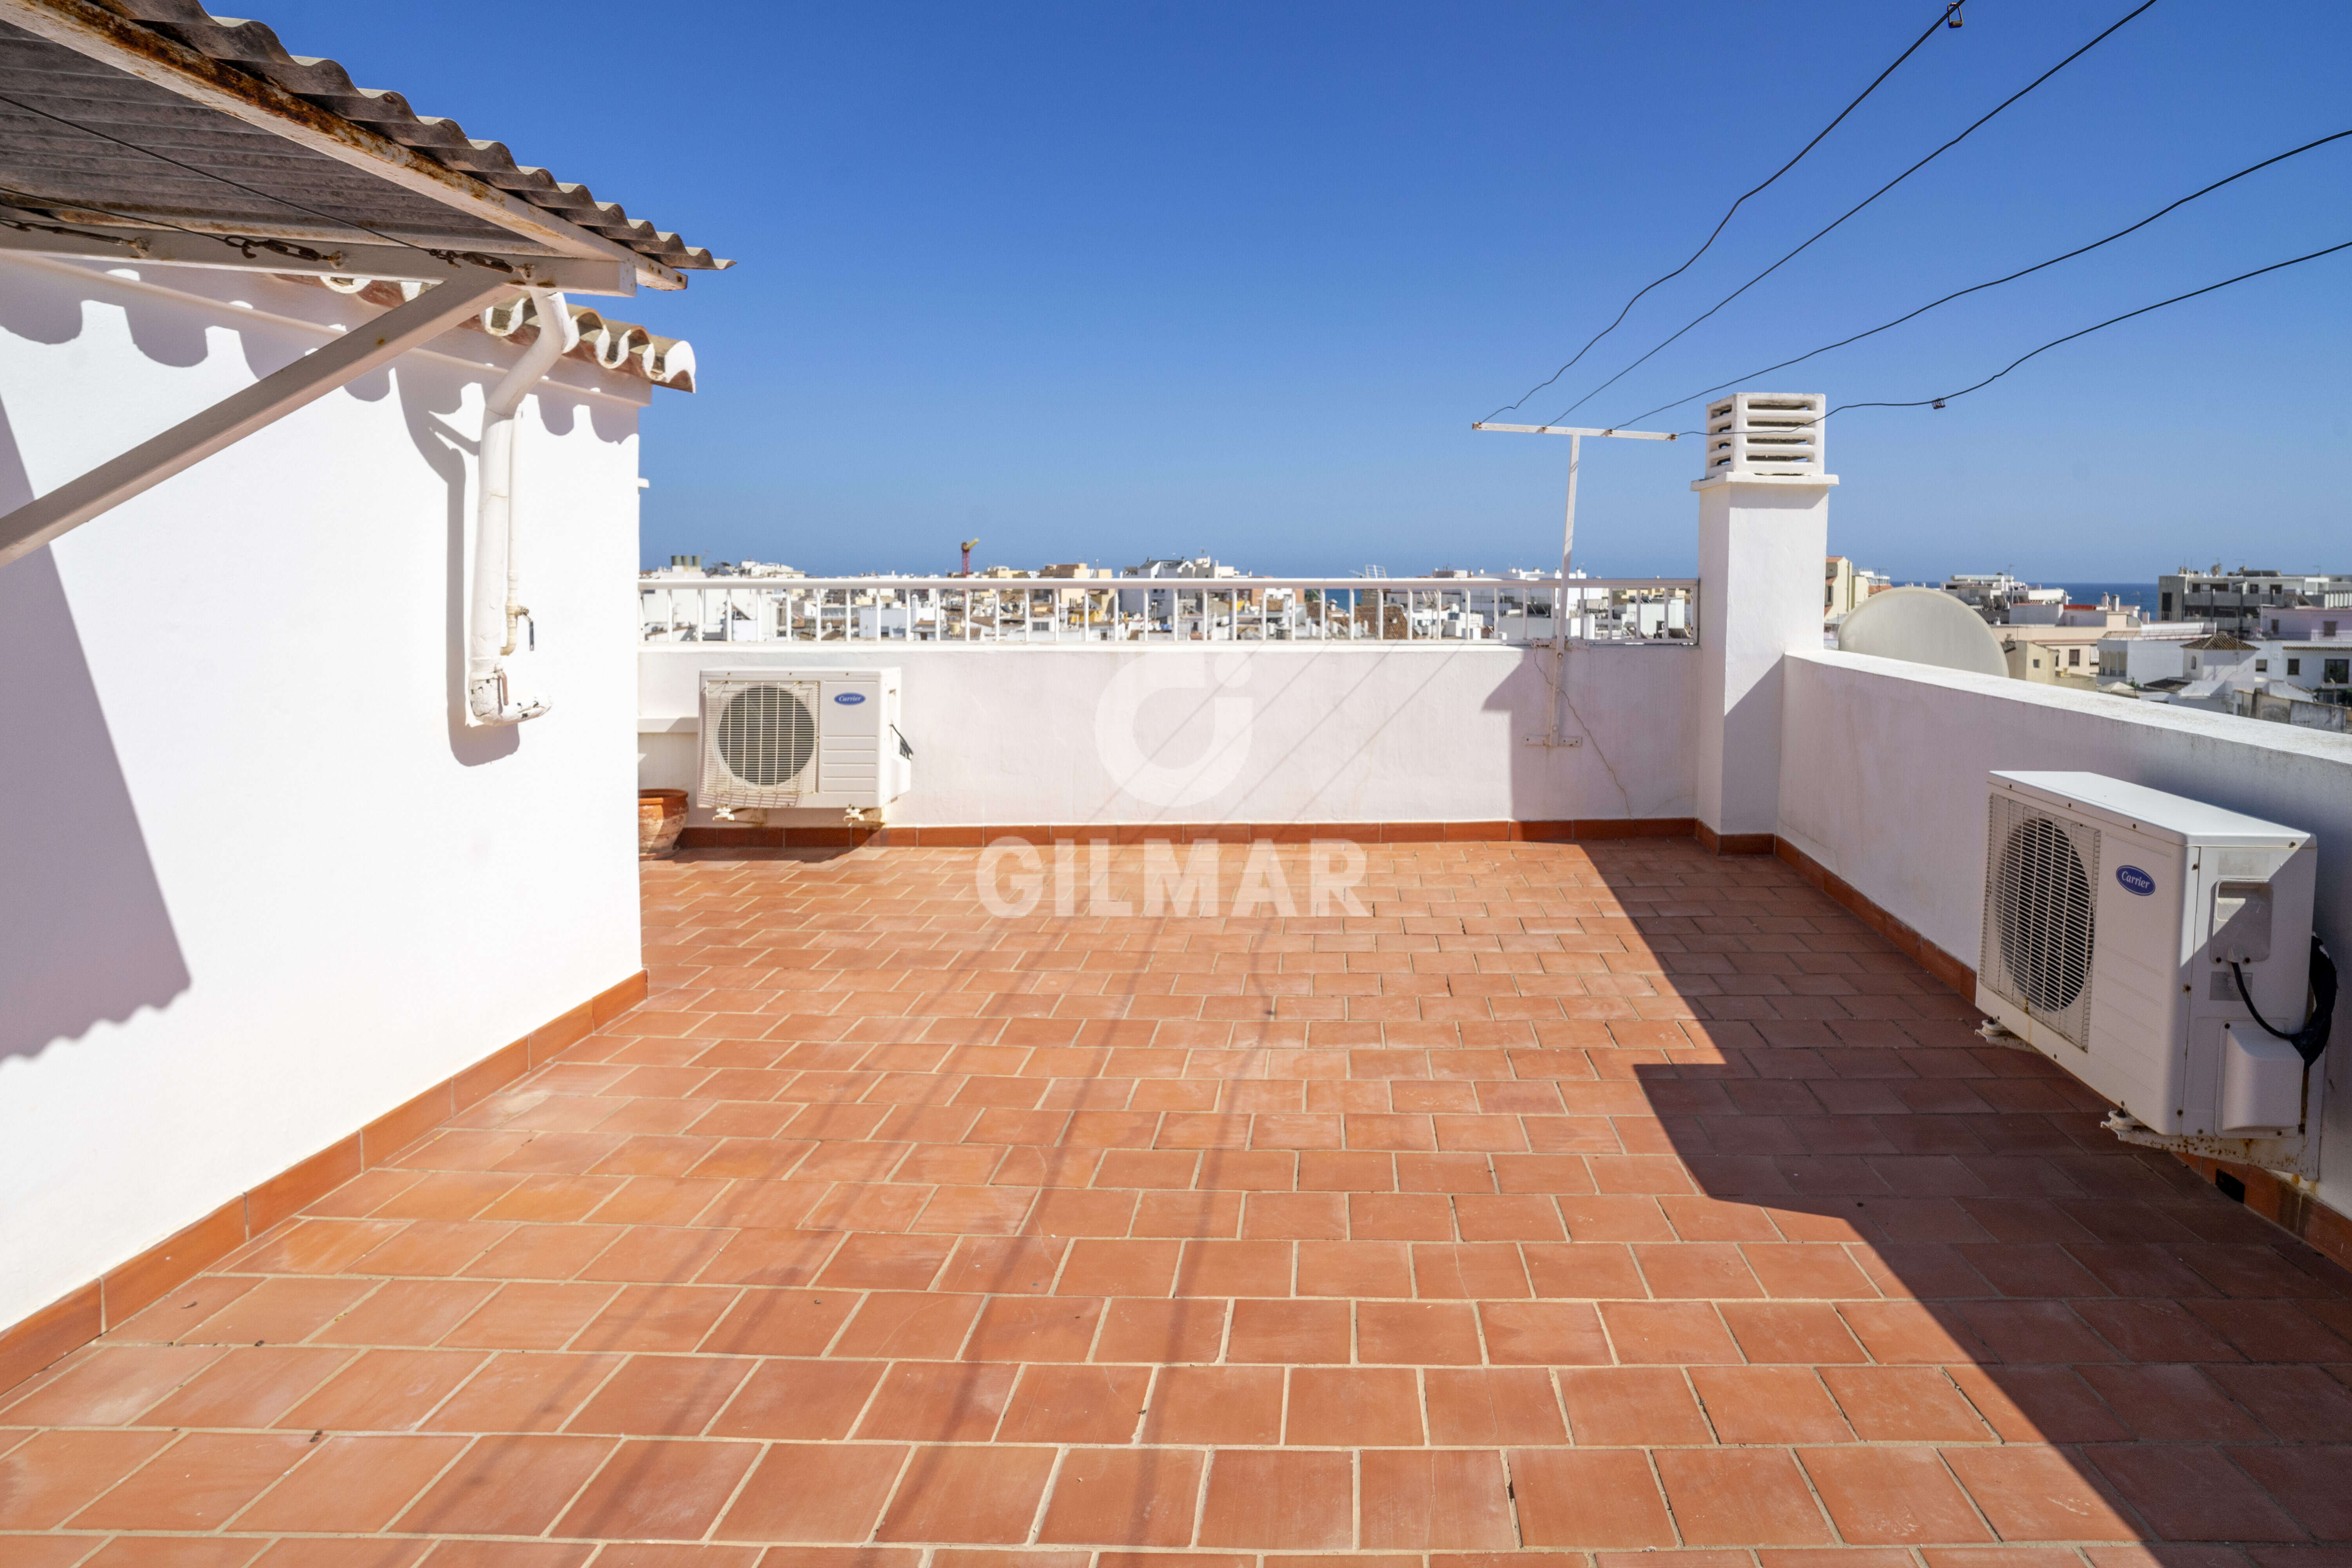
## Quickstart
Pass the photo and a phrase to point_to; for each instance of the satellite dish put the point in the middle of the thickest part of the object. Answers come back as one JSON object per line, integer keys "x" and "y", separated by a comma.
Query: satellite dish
{"x": 1923, "y": 625}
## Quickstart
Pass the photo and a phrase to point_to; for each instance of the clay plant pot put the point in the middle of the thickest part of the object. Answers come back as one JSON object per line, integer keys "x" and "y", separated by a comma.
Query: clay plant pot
{"x": 661, "y": 817}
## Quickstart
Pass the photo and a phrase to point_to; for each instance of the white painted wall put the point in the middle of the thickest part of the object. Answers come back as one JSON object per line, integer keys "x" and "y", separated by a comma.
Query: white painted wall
{"x": 1761, "y": 542}
{"x": 1261, "y": 733}
{"x": 1882, "y": 781}
{"x": 262, "y": 884}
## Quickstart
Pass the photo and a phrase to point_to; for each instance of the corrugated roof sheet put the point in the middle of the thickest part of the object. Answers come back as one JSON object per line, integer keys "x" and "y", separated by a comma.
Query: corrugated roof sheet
{"x": 253, "y": 47}
{"x": 78, "y": 133}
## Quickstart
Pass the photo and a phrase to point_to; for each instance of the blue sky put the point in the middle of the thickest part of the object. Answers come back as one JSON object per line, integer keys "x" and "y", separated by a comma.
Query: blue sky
{"x": 1098, "y": 281}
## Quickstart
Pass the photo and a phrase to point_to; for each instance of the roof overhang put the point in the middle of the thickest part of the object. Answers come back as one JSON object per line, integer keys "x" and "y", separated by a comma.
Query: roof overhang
{"x": 147, "y": 148}
{"x": 127, "y": 245}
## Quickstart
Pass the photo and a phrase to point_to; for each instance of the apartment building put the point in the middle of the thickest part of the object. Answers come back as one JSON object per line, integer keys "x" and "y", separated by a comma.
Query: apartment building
{"x": 2236, "y": 601}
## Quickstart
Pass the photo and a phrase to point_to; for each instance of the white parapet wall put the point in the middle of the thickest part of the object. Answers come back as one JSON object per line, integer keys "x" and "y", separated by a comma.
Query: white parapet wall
{"x": 1247, "y": 732}
{"x": 1882, "y": 772}
{"x": 259, "y": 883}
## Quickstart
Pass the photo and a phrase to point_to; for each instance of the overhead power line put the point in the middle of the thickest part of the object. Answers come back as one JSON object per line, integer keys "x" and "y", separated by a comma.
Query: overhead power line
{"x": 1995, "y": 282}
{"x": 1938, "y": 400}
{"x": 1941, "y": 18}
{"x": 2086, "y": 331}
{"x": 1865, "y": 201}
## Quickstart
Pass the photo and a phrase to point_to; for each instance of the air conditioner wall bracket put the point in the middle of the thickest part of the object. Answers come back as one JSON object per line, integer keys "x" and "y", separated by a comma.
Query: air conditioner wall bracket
{"x": 2285, "y": 1156}
{"x": 1993, "y": 1032}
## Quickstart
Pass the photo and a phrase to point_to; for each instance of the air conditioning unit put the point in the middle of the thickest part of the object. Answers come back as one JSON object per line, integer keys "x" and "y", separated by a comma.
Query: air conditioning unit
{"x": 2135, "y": 938}
{"x": 794, "y": 735}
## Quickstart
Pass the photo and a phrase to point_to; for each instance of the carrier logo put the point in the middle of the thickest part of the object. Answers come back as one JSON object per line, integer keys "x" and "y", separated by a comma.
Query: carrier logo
{"x": 849, "y": 698}
{"x": 2136, "y": 880}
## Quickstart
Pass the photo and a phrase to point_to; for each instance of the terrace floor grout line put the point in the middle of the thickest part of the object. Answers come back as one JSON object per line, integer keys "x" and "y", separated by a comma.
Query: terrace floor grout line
{"x": 1417, "y": 1035}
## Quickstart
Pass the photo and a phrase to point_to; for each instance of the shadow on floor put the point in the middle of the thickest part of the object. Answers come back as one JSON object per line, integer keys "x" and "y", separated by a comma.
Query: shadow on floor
{"x": 2158, "y": 1365}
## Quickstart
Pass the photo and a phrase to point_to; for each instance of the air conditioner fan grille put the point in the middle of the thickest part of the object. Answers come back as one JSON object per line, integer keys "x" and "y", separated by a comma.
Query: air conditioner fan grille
{"x": 766, "y": 736}
{"x": 2039, "y": 926}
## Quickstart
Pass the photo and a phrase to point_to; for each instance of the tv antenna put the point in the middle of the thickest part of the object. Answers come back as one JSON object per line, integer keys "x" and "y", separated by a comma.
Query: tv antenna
{"x": 1576, "y": 435}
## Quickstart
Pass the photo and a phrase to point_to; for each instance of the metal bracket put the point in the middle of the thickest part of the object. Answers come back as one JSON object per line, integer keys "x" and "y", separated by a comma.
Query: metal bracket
{"x": 337, "y": 362}
{"x": 1994, "y": 1033}
{"x": 125, "y": 245}
{"x": 2286, "y": 1156}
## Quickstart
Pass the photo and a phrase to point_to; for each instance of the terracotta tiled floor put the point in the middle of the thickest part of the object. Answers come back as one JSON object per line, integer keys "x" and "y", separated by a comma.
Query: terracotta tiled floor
{"x": 1577, "y": 1199}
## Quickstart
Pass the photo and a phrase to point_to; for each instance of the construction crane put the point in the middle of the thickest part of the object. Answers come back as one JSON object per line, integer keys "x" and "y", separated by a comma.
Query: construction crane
{"x": 967, "y": 555}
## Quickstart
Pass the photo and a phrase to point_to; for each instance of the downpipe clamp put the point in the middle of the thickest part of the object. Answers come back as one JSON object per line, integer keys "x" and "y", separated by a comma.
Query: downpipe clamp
{"x": 488, "y": 700}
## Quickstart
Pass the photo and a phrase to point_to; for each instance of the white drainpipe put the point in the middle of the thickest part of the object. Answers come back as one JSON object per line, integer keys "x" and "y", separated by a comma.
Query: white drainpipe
{"x": 490, "y": 634}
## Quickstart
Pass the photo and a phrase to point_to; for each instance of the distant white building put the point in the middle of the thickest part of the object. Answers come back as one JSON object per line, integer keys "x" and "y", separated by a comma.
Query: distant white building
{"x": 1844, "y": 585}
{"x": 1146, "y": 602}
{"x": 1993, "y": 594}
{"x": 2216, "y": 669}
{"x": 1182, "y": 566}
{"x": 2151, "y": 653}
{"x": 2222, "y": 656}
{"x": 2063, "y": 643}
{"x": 897, "y": 621}
{"x": 2109, "y": 614}
{"x": 2303, "y": 621}
{"x": 2322, "y": 665}
{"x": 2242, "y": 600}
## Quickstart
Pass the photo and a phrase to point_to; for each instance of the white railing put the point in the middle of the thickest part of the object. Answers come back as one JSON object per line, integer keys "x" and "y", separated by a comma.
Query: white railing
{"x": 1436, "y": 611}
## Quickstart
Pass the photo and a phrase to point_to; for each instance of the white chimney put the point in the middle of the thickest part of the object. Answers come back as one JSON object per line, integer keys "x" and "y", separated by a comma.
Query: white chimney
{"x": 1763, "y": 533}
{"x": 1767, "y": 435}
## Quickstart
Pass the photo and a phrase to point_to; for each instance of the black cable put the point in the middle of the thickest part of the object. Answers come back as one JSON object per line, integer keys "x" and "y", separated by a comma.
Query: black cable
{"x": 2312, "y": 1038}
{"x": 475, "y": 258}
{"x": 1996, "y": 282}
{"x": 2070, "y": 337}
{"x": 1734, "y": 206}
{"x": 2086, "y": 331}
{"x": 1865, "y": 201}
